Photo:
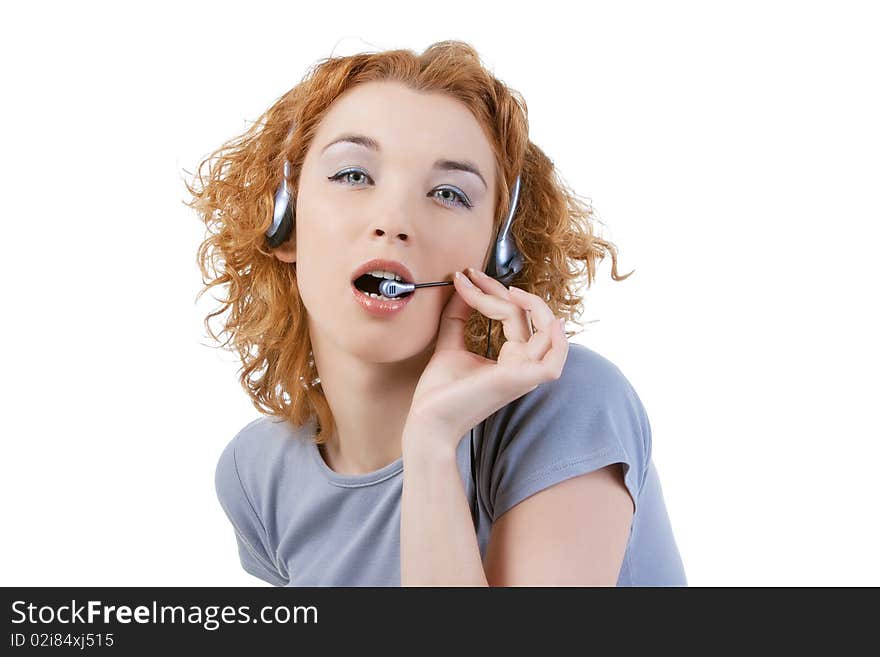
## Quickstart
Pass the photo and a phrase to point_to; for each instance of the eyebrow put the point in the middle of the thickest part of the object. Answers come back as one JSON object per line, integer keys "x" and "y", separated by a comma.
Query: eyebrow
{"x": 440, "y": 165}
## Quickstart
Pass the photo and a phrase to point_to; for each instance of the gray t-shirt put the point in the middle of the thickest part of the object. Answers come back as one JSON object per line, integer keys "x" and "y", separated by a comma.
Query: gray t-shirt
{"x": 299, "y": 523}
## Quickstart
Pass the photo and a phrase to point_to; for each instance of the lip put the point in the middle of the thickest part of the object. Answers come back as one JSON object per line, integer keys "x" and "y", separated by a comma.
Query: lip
{"x": 380, "y": 307}
{"x": 388, "y": 265}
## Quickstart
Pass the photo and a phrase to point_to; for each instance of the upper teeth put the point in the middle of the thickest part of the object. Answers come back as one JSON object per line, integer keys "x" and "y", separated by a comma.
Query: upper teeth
{"x": 381, "y": 273}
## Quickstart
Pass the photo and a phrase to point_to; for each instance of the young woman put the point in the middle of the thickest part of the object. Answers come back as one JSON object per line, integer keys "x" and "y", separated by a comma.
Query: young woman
{"x": 389, "y": 450}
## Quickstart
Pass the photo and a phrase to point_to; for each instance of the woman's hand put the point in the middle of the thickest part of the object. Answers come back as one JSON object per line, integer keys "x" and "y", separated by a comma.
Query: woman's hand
{"x": 459, "y": 389}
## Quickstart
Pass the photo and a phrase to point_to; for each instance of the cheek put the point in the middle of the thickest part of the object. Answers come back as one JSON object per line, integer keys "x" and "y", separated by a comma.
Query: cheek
{"x": 320, "y": 268}
{"x": 317, "y": 226}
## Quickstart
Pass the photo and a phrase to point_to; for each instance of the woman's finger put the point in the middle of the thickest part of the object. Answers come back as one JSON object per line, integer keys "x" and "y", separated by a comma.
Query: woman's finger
{"x": 492, "y": 299}
{"x": 538, "y": 345}
{"x": 541, "y": 315}
{"x": 549, "y": 364}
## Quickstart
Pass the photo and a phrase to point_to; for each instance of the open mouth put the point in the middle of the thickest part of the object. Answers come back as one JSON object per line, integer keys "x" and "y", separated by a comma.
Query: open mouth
{"x": 369, "y": 285}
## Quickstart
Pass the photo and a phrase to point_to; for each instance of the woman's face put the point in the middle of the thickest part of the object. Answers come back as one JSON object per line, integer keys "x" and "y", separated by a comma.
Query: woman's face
{"x": 389, "y": 202}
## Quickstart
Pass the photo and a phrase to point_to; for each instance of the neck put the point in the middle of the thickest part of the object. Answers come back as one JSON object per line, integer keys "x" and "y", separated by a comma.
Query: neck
{"x": 370, "y": 404}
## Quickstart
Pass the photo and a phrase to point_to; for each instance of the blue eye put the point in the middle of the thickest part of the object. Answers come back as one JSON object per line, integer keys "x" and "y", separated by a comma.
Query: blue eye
{"x": 462, "y": 199}
{"x": 458, "y": 200}
{"x": 343, "y": 175}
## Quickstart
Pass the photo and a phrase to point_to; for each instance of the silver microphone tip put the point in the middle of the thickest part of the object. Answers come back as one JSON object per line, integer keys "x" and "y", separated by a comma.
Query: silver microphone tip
{"x": 391, "y": 288}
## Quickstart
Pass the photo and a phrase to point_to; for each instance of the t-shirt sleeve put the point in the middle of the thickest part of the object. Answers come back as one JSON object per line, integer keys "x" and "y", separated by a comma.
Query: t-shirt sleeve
{"x": 588, "y": 418}
{"x": 253, "y": 544}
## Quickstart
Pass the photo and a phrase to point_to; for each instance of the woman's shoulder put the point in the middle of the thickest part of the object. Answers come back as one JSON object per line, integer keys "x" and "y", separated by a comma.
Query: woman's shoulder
{"x": 587, "y": 377}
{"x": 586, "y": 365}
{"x": 265, "y": 443}
{"x": 586, "y": 419}
{"x": 590, "y": 409}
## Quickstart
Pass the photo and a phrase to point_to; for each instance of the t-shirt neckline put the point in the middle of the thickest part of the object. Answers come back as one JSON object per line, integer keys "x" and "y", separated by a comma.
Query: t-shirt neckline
{"x": 351, "y": 480}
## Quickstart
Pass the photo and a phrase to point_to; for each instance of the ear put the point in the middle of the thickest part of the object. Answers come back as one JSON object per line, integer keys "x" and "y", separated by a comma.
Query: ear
{"x": 286, "y": 252}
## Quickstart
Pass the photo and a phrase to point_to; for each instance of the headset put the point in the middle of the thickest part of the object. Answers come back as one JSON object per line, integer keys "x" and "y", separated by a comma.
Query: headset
{"x": 505, "y": 263}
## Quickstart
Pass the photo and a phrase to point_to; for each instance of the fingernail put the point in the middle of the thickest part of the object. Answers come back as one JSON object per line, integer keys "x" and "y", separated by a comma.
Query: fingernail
{"x": 464, "y": 278}
{"x": 474, "y": 272}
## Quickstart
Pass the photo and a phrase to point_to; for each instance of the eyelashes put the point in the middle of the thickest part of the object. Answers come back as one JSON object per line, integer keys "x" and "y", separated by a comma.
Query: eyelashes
{"x": 459, "y": 199}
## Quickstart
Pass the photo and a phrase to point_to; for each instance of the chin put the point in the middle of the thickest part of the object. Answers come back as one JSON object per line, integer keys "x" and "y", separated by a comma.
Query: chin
{"x": 391, "y": 350}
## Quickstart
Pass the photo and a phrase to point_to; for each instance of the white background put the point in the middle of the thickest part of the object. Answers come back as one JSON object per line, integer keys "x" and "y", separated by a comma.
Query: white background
{"x": 732, "y": 151}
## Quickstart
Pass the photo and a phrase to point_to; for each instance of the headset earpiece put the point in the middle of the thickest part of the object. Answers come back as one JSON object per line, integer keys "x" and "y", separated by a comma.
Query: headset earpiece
{"x": 282, "y": 214}
{"x": 506, "y": 260}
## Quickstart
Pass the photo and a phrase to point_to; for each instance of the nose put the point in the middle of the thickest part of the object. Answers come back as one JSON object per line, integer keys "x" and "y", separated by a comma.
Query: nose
{"x": 379, "y": 232}
{"x": 395, "y": 220}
